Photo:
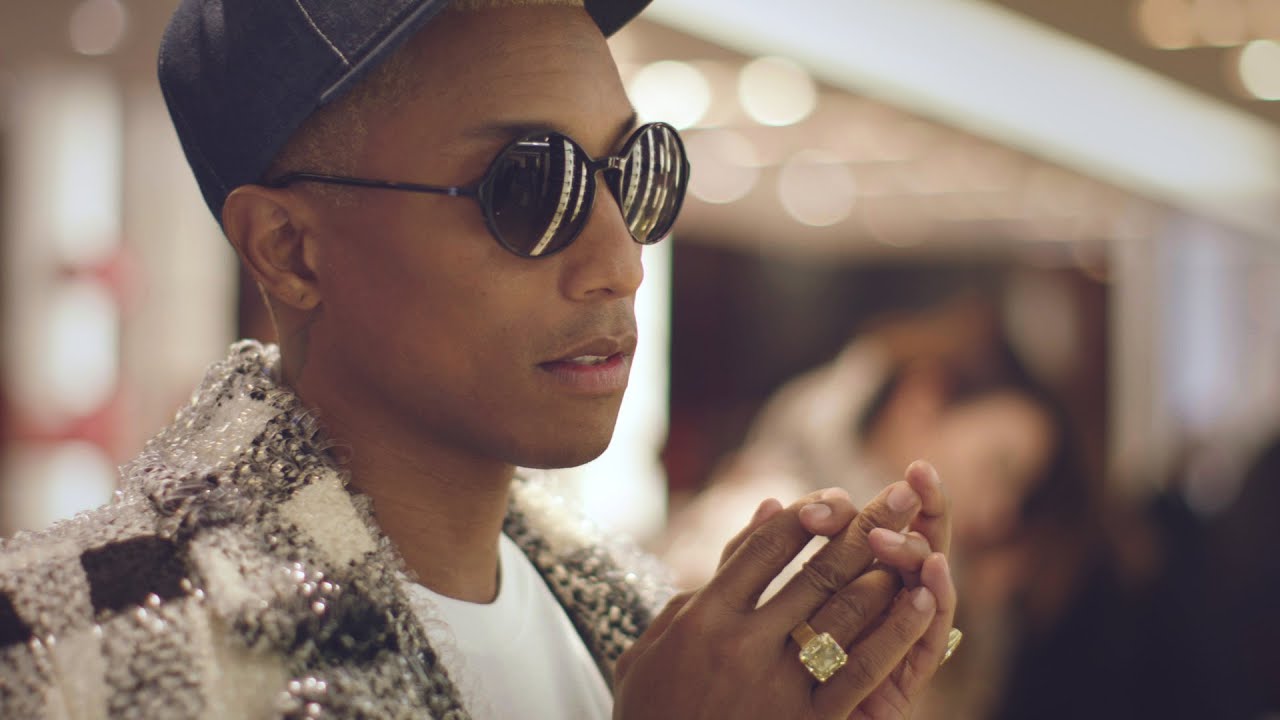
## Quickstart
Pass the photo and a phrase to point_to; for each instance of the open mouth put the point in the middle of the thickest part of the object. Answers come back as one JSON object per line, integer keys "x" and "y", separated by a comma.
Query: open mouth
{"x": 592, "y": 374}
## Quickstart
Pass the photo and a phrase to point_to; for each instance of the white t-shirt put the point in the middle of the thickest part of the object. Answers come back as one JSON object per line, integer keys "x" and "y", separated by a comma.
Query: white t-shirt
{"x": 519, "y": 656}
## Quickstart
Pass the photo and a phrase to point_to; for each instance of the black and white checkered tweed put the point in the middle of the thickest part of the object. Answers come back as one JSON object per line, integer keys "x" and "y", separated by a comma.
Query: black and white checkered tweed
{"x": 234, "y": 576}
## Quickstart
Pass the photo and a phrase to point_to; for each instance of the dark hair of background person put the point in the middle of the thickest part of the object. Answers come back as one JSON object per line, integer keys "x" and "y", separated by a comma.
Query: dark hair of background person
{"x": 1243, "y": 569}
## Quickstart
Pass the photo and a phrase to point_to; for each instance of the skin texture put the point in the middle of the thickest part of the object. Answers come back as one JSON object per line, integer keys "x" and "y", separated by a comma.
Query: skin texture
{"x": 714, "y": 654}
{"x": 413, "y": 333}
{"x": 420, "y": 343}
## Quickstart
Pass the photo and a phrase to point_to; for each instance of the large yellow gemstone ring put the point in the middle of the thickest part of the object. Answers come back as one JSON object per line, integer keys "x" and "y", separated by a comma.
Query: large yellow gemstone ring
{"x": 819, "y": 652}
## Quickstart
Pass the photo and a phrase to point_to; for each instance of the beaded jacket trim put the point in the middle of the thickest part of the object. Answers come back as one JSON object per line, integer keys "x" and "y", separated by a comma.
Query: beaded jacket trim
{"x": 234, "y": 575}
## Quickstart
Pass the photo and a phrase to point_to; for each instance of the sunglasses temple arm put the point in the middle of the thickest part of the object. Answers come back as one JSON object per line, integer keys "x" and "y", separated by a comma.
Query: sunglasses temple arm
{"x": 449, "y": 190}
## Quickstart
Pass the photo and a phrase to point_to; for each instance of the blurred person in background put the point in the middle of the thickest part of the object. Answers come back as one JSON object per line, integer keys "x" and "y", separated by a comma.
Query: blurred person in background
{"x": 1205, "y": 591}
{"x": 943, "y": 384}
{"x": 335, "y": 526}
{"x": 889, "y": 393}
{"x": 1243, "y": 569}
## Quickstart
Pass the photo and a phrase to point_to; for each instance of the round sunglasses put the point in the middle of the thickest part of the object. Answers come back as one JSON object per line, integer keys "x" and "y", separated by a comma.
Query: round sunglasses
{"x": 538, "y": 192}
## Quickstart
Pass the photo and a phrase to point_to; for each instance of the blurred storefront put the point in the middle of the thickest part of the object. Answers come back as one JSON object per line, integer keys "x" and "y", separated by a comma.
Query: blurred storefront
{"x": 1135, "y": 211}
{"x": 116, "y": 286}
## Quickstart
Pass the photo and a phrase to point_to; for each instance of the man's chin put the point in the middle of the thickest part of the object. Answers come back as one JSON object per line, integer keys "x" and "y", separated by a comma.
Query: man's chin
{"x": 565, "y": 456}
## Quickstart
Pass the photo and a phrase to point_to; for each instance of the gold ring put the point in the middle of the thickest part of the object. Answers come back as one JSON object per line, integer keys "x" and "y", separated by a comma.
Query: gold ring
{"x": 821, "y": 654}
{"x": 953, "y": 641}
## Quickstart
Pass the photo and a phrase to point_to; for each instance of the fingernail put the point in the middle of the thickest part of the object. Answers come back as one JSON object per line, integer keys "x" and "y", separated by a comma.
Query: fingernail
{"x": 765, "y": 509}
{"x": 922, "y": 599}
{"x": 890, "y": 538}
{"x": 902, "y": 498}
{"x": 814, "y": 512}
{"x": 834, "y": 494}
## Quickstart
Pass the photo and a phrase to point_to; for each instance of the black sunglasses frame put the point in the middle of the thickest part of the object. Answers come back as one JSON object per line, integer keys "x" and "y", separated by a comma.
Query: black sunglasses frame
{"x": 612, "y": 164}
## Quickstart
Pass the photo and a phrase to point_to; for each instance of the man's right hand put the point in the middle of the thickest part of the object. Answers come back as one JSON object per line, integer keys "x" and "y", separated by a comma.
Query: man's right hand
{"x": 717, "y": 653}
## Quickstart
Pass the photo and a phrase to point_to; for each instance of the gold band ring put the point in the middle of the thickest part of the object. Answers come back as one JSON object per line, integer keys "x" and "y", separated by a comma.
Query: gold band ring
{"x": 821, "y": 654}
{"x": 954, "y": 636}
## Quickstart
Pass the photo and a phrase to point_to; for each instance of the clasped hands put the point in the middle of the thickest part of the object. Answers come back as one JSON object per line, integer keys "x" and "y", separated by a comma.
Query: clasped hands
{"x": 887, "y": 597}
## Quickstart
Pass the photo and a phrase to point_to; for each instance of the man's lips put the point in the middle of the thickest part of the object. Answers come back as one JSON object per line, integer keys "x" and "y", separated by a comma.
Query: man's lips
{"x": 595, "y": 350}
{"x": 596, "y": 367}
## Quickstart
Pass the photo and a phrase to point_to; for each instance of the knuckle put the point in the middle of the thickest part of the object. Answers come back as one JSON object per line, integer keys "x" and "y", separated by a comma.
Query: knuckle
{"x": 907, "y": 627}
{"x": 694, "y": 622}
{"x": 812, "y": 497}
{"x": 864, "y": 668}
{"x": 768, "y": 549}
{"x": 875, "y": 516}
{"x": 852, "y": 610}
{"x": 822, "y": 574}
{"x": 910, "y": 681}
{"x": 680, "y": 599}
{"x": 726, "y": 554}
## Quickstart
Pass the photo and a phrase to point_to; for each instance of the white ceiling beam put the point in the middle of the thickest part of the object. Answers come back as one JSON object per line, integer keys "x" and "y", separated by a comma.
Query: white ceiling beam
{"x": 986, "y": 70}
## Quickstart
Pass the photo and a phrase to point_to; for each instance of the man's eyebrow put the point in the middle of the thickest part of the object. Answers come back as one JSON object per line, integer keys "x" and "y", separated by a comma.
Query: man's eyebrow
{"x": 511, "y": 130}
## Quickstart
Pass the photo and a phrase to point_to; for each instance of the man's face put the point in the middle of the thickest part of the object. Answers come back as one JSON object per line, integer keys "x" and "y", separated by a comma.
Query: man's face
{"x": 428, "y": 328}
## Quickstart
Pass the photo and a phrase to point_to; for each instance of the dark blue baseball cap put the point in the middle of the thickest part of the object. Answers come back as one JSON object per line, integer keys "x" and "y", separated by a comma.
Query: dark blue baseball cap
{"x": 240, "y": 76}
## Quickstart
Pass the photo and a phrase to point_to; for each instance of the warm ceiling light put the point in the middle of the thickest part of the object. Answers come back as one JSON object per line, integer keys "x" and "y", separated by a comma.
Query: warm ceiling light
{"x": 722, "y": 78}
{"x": 97, "y": 26}
{"x": 1063, "y": 99}
{"x": 776, "y": 91}
{"x": 727, "y": 162}
{"x": 1220, "y": 22}
{"x": 671, "y": 91}
{"x": 1259, "y": 67}
{"x": 816, "y": 189}
{"x": 1165, "y": 24}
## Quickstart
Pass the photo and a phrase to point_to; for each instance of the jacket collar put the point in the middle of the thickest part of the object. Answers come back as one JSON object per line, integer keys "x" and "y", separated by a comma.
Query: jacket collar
{"x": 296, "y": 564}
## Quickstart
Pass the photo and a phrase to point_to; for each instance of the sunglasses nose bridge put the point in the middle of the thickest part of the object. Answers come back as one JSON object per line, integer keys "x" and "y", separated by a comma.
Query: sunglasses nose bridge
{"x": 611, "y": 168}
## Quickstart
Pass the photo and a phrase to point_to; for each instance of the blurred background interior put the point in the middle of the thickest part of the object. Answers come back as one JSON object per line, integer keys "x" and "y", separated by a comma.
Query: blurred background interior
{"x": 1035, "y": 241}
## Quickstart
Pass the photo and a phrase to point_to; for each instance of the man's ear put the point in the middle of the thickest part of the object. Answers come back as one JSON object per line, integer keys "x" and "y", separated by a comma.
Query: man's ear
{"x": 267, "y": 227}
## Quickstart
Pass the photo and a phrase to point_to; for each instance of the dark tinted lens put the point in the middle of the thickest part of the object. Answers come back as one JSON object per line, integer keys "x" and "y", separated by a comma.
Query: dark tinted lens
{"x": 537, "y": 194}
{"x": 652, "y": 182}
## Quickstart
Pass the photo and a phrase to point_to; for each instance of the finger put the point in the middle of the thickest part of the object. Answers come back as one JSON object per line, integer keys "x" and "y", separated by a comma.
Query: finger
{"x": 934, "y": 519}
{"x": 830, "y": 516}
{"x": 651, "y": 633}
{"x": 856, "y": 607}
{"x": 827, "y": 516}
{"x": 904, "y": 552}
{"x": 872, "y": 659}
{"x": 767, "y": 509}
{"x": 842, "y": 559}
{"x": 763, "y": 554}
{"x": 920, "y": 664}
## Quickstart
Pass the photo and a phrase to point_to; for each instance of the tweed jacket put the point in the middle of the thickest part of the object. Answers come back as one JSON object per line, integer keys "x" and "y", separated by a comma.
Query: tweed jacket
{"x": 235, "y": 576}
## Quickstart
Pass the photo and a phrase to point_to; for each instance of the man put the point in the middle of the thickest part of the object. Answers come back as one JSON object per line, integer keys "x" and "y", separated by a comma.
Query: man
{"x": 444, "y": 208}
